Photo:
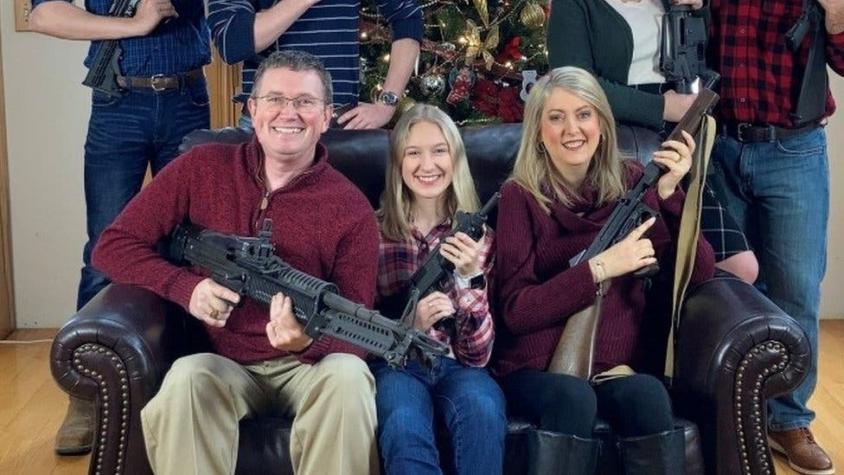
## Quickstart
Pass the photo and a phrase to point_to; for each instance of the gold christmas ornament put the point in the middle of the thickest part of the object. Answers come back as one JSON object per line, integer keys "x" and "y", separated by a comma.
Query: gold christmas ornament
{"x": 483, "y": 10}
{"x": 477, "y": 48}
{"x": 532, "y": 15}
{"x": 405, "y": 103}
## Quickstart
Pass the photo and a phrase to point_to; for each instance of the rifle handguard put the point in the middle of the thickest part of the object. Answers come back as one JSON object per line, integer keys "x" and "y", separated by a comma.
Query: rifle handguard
{"x": 248, "y": 266}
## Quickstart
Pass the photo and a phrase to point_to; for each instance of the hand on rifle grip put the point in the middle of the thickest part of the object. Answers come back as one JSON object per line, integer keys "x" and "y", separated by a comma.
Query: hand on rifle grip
{"x": 435, "y": 307}
{"x": 649, "y": 270}
{"x": 447, "y": 325}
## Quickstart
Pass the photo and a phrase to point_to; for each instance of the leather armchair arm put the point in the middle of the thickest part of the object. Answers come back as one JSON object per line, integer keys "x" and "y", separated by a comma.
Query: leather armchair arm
{"x": 115, "y": 351}
{"x": 735, "y": 349}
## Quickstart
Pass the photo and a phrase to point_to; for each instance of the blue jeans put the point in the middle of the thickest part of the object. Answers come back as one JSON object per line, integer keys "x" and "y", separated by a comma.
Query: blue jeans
{"x": 415, "y": 402}
{"x": 779, "y": 193}
{"x": 125, "y": 134}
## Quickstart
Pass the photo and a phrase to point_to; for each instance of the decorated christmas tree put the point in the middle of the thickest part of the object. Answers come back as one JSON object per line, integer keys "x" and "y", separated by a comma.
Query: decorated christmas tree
{"x": 478, "y": 60}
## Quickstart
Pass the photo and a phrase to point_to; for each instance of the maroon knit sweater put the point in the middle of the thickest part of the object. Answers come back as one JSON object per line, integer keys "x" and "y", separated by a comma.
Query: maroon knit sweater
{"x": 322, "y": 225}
{"x": 537, "y": 289}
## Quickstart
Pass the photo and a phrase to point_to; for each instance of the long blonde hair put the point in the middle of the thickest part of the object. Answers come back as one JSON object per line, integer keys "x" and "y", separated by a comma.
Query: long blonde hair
{"x": 534, "y": 170}
{"x": 397, "y": 200}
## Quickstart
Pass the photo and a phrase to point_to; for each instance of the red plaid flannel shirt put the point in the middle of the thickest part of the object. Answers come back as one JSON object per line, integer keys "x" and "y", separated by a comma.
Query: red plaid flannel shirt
{"x": 398, "y": 260}
{"x": 760, "y": 77}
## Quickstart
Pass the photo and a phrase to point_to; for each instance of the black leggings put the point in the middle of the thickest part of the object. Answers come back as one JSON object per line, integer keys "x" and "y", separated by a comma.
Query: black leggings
{"x": 633, "y": 405}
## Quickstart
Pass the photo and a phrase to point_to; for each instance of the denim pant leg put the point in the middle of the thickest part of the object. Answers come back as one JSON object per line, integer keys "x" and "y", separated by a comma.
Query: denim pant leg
{"x": 124, "y": 135}
{"x": 405, "y": 419}
{"x": 471, "y": 405}
{"x": 179, "y": 113}
{"x": 117, "y": 150}
{"x": 785, "y": 186}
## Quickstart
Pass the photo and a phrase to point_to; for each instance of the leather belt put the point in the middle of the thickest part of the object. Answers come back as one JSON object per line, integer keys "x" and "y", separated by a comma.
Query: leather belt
{"x": 160, "y": 82}
{"x": 652, "y": 88}
{"x": 748, "y": 133}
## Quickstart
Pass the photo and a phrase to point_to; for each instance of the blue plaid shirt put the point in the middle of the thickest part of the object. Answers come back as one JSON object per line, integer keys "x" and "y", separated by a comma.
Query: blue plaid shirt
{"x": 175, "y": 46}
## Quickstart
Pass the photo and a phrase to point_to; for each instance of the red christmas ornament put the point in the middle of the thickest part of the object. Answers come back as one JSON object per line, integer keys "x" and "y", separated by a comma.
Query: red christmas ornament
{"x": 460, "y": 87}
{"x": 511, "y": 50}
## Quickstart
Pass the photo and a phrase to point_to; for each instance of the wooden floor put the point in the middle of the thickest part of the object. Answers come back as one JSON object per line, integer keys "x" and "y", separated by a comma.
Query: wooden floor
{"x": 32, "y": 406}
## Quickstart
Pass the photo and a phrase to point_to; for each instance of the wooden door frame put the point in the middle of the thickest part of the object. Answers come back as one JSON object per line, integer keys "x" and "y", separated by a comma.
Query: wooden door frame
{"x": 7, "y": 296}
{"x": 223, "y": 81}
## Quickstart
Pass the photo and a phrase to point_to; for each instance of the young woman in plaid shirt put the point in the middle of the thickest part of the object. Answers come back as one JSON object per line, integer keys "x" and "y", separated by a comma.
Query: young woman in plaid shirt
{"x": 428, "y": 180}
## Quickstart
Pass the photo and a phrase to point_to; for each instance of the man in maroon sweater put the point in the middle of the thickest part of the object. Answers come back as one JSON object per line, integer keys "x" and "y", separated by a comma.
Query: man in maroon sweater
{"x": 322, "y": 225}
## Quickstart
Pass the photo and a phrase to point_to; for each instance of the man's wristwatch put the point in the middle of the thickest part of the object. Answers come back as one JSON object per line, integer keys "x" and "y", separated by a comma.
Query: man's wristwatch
{"x": 388, "y": 98}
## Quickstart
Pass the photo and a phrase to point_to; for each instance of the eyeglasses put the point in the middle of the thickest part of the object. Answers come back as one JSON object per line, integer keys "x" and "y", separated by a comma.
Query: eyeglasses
{"x": 304, "y": 104}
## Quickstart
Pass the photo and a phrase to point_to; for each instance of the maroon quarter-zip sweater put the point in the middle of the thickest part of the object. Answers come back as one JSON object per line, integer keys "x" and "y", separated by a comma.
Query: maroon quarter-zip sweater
{"x": 537, "y": 290}
{"x": 322, "y": 225}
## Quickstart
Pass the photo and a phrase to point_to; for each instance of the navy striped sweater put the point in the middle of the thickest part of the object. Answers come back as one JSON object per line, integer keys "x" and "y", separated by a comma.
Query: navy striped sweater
{"x": 328, "y": 30}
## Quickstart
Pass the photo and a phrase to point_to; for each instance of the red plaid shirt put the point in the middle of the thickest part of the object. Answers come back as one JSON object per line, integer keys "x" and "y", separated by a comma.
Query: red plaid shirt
{"x": 397, "y": 261}
{"x": 760, "y": 77}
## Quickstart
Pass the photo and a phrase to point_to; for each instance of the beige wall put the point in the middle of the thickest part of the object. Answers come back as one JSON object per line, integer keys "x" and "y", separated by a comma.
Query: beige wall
{"x": 46, "y": 118}
{"x": 47, "y": 112}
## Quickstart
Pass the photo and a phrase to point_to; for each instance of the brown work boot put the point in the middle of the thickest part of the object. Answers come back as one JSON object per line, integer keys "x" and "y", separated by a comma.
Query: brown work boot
{"x": 803, "y": 453}
{"x": 76, "y": 435}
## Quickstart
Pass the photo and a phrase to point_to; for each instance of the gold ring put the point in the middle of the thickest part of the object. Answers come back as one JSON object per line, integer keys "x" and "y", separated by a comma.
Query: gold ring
{"x": 214, "y": 314}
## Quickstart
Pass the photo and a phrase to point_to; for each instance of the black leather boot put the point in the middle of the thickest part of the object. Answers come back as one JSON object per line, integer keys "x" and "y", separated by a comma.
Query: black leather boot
{"x": 551, "y": 453}
{"x": 657, "y": 454}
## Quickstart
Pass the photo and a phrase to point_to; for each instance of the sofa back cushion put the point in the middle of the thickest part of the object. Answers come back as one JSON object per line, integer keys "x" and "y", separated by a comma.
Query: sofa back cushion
{"x": 361, "y": 155}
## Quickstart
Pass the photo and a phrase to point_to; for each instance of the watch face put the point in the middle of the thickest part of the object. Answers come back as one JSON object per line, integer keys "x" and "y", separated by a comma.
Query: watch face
{"x": 389, "y": 98}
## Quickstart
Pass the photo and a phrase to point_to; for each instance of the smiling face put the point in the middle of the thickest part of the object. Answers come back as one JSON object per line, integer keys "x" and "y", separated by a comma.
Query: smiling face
{"x": 570, "y": 132}
{"x": 426, "y": 165}
{"x": 288, "y": 134}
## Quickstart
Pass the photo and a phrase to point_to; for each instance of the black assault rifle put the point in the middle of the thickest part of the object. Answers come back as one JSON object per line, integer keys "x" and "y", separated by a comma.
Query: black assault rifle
{"x": 436, "y": 269}
{"x": 810, "y": 101}
{"x": 630, "y": 211}
{"x": 102, "y": 75}
{"x": 682, "y": 56}
{"x": 248, "y": 266}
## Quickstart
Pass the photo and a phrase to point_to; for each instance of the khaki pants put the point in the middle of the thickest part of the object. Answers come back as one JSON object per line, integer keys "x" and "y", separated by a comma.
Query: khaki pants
{"x": 191, "y": 425}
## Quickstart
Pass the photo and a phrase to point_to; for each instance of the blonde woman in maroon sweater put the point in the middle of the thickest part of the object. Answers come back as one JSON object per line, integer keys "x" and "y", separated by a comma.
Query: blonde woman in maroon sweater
{"x": 566, "y": 181}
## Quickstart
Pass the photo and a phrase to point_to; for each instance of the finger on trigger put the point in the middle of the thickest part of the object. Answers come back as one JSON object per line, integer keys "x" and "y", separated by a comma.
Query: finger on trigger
{"x": 276, "y": 306}
{"x": 287, "y": 304}
{"x": 639, "y": 230}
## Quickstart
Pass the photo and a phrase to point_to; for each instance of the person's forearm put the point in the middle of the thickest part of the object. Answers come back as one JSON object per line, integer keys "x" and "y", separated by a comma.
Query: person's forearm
{"x": 67, "y": 21}
{"x": 272, "y": 23}
{"x": 835, "y": 52}
{"x": 403, "y": 54}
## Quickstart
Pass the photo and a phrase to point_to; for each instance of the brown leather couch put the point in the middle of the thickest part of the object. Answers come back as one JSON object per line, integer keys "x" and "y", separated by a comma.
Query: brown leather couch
{"x": 735, "y": 348}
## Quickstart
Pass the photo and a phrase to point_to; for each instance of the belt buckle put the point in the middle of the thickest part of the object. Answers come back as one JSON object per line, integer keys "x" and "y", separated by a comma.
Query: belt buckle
{"x": 153, "y": 82}
{"x": 740, "y": 128}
